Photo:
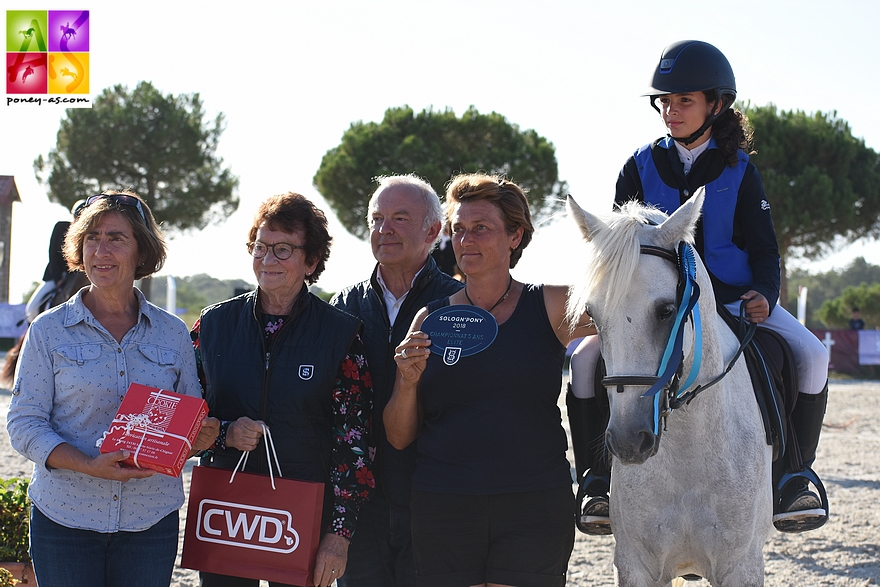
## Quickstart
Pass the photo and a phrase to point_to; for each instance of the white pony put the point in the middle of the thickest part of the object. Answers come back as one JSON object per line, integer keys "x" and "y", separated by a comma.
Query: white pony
{"x": 699, "y": 502}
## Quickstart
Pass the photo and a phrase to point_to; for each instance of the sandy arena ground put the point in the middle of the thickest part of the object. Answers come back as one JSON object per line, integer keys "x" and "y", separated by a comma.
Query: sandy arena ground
{"x": 844, "y": 553}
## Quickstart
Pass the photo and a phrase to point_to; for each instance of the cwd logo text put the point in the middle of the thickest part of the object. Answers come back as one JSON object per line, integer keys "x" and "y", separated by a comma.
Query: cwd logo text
{"x": 246, "y": 526}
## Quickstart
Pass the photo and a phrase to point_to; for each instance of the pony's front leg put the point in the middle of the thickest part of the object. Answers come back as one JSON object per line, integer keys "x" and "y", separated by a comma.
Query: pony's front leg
{"x": 748, "y": 572}
{"x": 637, "y": 579}
{"x": 634, "y": 567}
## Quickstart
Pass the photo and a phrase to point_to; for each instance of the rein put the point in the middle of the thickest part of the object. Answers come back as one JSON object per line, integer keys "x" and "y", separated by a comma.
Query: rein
{"x": 668, "y": 375}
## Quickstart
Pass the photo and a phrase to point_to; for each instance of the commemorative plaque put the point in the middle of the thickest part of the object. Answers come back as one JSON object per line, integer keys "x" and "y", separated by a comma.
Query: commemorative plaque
{"x": 459, "y": 331}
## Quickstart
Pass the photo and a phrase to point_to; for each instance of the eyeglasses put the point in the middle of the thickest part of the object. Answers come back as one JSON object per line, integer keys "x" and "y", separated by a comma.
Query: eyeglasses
{"x": 118, "y": 199}
{"x": 281, "y": 251}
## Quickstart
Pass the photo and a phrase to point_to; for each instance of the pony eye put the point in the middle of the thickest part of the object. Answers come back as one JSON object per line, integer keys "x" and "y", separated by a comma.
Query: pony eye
{"x": 589, "y": 312}
{"x": 665, "y": 312}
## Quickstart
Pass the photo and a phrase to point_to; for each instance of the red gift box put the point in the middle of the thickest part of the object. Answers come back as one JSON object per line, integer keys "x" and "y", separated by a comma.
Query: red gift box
{"x": 157, "y": 426}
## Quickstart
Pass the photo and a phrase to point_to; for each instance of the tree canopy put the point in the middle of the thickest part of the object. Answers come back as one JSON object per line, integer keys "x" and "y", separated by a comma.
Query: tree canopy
{"x": 159, "y": 146}
{"x": 823, "y": 183}
{"x": 435, "y": 145}
{"x": 826, "y": 286}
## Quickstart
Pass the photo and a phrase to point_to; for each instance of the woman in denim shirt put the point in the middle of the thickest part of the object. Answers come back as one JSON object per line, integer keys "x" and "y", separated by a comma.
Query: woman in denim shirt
{"x": 94, "y": 520}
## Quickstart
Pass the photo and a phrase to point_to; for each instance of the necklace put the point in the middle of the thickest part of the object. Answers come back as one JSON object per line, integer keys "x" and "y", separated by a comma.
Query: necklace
{"x": 501, "y": 299}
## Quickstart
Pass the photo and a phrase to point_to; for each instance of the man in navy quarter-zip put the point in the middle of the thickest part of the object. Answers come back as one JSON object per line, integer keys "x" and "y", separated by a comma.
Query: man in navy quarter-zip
{"x": 405, "y": 218}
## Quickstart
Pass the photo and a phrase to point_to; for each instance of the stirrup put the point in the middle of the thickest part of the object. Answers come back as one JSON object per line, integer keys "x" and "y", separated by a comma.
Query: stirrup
{"x": 797, "y": 509}
{"x": 592, "y": 500}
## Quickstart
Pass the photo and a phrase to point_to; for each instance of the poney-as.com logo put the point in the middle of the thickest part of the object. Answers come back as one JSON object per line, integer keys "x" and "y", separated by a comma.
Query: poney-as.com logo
{"x": 47, "y": 57}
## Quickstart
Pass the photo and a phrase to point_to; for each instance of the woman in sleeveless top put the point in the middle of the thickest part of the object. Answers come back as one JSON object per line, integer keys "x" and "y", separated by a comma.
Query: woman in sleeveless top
{"x": 492, "y": 501}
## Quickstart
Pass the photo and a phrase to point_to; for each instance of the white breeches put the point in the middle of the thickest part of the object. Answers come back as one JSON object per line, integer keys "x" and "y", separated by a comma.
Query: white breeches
{"x": 809, "y": 352}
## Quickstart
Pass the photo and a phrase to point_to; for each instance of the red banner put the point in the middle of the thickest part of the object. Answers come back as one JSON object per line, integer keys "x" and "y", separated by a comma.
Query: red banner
{"x": 851, "y": 349}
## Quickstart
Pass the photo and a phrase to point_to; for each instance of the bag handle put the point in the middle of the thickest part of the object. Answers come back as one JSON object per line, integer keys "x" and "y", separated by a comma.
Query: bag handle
{"x": 242, "y": 461}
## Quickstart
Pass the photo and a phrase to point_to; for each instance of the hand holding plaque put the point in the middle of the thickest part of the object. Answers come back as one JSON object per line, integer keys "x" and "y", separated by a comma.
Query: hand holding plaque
{"x": 459, "y": 331}
{"x": 411, "y": 355}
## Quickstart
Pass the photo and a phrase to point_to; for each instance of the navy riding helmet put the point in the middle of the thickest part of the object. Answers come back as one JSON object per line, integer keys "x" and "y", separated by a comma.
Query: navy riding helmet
{"x": 693, "y": 66}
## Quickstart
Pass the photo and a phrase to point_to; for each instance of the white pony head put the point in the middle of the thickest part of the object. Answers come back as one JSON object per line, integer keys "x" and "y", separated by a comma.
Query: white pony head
{"x": 632, "y": 300}
{"x": 615, "y": 240}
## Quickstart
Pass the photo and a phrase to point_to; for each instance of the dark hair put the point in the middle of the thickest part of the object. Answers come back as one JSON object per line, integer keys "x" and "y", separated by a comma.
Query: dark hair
{"x": 147, "y": 234}
{"x": 732, "y": 131}
{"x": 290, "y": 213}
{"x": 506, "y": 195}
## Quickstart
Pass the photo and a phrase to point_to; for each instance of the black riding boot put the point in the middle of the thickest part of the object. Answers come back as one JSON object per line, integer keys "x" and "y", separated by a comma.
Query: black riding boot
{"x": 798, "y": 508}
{"x": 588, "y": 422}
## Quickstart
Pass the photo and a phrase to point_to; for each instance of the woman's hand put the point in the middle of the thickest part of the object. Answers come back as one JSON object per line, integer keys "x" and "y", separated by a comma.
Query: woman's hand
{"x": 331, "y": 559}
{"x": 757, "y": 306}
{"x": 103, "y": 466}
{"x": 110, "y": 466}
{"x": 207, "y": 435}
{"x": 411, "y": 356}
{"x": 244, "y": 433}
{"x": 402, "y": 415}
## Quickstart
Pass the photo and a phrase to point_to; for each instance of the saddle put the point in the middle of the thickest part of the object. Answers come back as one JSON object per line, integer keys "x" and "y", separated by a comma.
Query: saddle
{"x": 773, "y": 370}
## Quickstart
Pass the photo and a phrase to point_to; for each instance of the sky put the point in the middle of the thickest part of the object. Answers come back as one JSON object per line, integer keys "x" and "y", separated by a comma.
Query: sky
{"x": 291, "y": 77}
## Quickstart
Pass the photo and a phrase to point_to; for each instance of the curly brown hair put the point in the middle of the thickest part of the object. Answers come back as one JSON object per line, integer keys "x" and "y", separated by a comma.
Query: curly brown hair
{"x": 293, "y": 212}
{"x": 732, "y": 131}
{"x": 150, "y": 240}
{"x": 509, "y": 197}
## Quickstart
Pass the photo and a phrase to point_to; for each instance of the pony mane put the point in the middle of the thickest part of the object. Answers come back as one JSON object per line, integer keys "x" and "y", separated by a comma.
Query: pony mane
{"x": 614, "y": 255}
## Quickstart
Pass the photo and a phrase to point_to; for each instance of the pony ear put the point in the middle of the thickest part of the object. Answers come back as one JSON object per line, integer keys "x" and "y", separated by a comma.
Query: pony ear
{"x": 588, "y": 224}
{"x": 680, "y": 226}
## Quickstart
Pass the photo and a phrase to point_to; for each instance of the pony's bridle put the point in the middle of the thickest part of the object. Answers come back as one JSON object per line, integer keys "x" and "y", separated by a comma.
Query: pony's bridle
{"x": 668, "y": 376}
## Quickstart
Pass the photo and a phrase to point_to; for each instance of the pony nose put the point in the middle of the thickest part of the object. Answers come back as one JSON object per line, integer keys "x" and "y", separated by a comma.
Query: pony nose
{"x": 634, "y": 449}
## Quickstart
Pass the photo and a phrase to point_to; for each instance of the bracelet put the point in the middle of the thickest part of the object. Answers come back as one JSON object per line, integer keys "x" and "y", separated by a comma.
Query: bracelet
{"x": 221, "y": 438}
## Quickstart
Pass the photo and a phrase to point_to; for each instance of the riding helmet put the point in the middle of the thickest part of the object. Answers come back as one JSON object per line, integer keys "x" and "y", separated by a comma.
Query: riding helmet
{"x": 693, "y": 66}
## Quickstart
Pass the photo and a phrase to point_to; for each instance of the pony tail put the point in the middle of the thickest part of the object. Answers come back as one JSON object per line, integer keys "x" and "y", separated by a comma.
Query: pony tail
{"x": 732, "y": 132}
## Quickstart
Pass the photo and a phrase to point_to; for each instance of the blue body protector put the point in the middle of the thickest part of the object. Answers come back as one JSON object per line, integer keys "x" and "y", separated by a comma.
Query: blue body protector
{"x": 723, "y": 258}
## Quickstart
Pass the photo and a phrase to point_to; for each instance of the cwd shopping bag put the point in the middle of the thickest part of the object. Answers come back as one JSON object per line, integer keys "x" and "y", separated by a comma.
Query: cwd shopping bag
{"x": 253, "y": 526}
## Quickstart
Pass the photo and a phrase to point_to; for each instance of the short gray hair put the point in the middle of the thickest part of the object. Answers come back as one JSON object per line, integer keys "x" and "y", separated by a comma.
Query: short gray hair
{"x": 433, "y": 211}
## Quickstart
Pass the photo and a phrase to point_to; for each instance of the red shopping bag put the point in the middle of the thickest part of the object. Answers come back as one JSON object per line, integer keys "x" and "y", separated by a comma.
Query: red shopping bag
{"x": 253, "y": 526}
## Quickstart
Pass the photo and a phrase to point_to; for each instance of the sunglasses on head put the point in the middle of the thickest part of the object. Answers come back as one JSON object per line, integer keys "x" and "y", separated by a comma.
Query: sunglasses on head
{"x": 118, "y": 199}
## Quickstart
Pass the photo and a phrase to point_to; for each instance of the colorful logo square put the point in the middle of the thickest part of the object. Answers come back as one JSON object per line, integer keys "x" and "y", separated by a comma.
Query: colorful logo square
{"x": 26, "y": 73}
{"x": 47, "y": 52}
{"x": 68, "y": 73}
{"x": 68, "y": 30}
{"x": 26, "y": 30}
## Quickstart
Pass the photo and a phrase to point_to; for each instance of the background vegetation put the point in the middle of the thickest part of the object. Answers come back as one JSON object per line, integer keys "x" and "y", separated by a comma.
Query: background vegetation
{"x": 831, "y": 295}
{"x": 436, "y": 145}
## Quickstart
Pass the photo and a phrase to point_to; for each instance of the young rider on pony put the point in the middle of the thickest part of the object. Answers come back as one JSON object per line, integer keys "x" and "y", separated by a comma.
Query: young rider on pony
{"x": 693, "y": 89}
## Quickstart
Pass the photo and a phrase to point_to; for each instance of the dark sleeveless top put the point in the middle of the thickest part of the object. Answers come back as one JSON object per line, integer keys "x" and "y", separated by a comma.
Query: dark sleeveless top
{"x": 492, "y": 424}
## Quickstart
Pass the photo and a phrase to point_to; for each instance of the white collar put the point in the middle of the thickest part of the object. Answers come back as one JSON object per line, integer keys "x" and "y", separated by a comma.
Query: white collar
{"x": 688, "y": 156}
{"x": 393, "y": 304}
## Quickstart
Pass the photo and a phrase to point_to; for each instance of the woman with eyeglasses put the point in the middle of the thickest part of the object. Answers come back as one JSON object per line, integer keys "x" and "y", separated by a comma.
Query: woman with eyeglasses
{"x": 95, "y": 521}
{"x": 282, "y": 357}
